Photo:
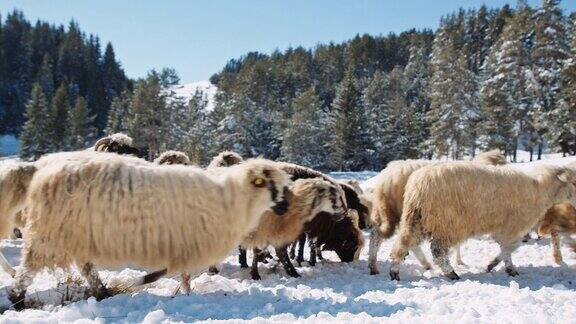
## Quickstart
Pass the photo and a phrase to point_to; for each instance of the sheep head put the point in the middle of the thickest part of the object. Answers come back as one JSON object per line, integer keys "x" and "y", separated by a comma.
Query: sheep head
{"x": 265, "y": 178}
{"x": 14, "y": 182}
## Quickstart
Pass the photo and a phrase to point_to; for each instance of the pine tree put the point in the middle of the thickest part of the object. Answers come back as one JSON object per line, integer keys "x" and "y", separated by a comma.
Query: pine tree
{"x": 17, "y": 55}
{"x": 550, "y": 49}
{"x": 81, "y": 131}
{"x": 504, "y": 97}
{"x": 563, "y": 132}
{"x": 304, "y": 138}
{"x": 35, "y": 137}
{"x": 348, "y": 145}
{"x": 188, "y": 126}
{"x": 417, "y": 78}
{"x": 119, "y": 114}
{"x": 149, "y": 117}
{"x": 58, "y": 121}
{"x": 112, "y": 75}
{"x": 46, "y": 76}
{"x": 453, "y": 99}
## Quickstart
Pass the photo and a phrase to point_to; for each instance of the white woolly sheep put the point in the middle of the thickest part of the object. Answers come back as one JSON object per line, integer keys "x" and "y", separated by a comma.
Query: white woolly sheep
{"x": 116, "y": 143}
{"x": 14, "y": 183}
{"x": 173, "y": 157}
{"x": 559, "y": 220}
{"x": 225, "y": 159}
{"x": 388, "y": 199}
{"x": 307, "y": 198}
{"x": 449, "y": 203}
{"x": 178, "y": 217}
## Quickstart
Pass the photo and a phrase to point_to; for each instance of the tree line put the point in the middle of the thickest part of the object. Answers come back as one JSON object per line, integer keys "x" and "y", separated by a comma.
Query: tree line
{"x": 487, "y": 78}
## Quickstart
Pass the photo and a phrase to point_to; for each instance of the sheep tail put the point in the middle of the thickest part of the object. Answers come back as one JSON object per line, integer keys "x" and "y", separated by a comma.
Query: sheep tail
{"x": 149, "y": 278}
{"x": 385, "y": 219}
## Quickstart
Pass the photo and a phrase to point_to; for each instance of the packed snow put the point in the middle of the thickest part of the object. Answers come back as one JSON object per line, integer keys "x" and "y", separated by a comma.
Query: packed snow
{"x": 330, "y": 291}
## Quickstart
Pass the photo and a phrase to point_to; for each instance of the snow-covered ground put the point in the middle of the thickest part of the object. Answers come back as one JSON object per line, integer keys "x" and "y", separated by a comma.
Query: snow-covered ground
{"x": 186, "y": 91}
{"x": 331, "y": 291}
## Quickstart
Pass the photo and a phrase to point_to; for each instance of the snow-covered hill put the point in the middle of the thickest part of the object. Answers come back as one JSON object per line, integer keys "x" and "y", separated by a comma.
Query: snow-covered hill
{"x": 186, "y": 91}
{"x": 333, "y": 291}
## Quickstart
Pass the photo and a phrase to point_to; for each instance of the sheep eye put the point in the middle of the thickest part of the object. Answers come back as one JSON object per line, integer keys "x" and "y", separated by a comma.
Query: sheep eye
{"x": 259, "y": 182}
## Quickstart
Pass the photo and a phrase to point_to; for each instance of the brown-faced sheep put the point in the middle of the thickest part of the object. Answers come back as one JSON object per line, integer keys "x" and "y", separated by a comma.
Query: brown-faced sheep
{"x": 173, "y": 157}
{"x": 346, "y": 240}
{"x": 116, "y": 143}
{"x": 178, "y": 217}
{"x": 451, "y": 202}
{"x": 388, "y": 202}
{"x": 307, "y": 198}
{"x": 559, "y": 220}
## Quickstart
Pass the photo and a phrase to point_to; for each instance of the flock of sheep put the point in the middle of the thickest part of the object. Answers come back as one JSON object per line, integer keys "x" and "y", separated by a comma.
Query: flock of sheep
{"x": 105, "y": 207}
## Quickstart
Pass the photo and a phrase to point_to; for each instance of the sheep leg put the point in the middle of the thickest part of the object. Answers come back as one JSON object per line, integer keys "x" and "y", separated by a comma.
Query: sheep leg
{"x": 97, "y": 288}
{"x": 555, "y": 241}
{"x": 312, "y": 245}
{"x": 494, "y": 263}
{"x": 459, "y": 256}
{"x": 301, "y": 243}
{"x": 292, "y": 253}
{"x": 440, "y": 254}
{"x": 242, "y": 257}
{"x": 419, "y": 255}
{"x": 24, "y": 277}
{"x": 399, "y": 252}
{"x": 319, "y": 252}
{"x": 507, "y": 257}
{"x": 254, "y": 270}
{"x": 282, "y": 254}
{"x": 375, "y": 241}
{"x": 185, "y": 283}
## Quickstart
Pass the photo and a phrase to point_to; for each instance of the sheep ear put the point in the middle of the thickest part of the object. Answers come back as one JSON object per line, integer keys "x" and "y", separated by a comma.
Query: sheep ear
{"x": 566, "y": 176}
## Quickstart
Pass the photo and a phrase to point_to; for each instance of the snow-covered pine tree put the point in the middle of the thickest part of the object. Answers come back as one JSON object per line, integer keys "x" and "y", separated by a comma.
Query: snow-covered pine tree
{"x": 60, "y": 107}
{"x": 453, "y": 91}
{"x": 81, "y": 130}
{"x": 118, "y": 114}
{"x": 188, "y": 126}
{"x": 35, "y": 136}
{"x": 563, "y": 132}
{"x": 149, "y": 118}
{"x": 504, "y": 97}
{"x": 349, "y": 145}
{"x": 417, "y": 78}
{"x": 550, "y": 50}
{"x": 306, "y": 133}
{"x": 46, "y": 76}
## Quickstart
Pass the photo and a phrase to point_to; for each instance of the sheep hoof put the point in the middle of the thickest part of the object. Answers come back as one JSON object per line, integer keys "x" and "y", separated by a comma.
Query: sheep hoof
{"x": 374, "y": 271}
{"x": 17, "y": 300}
{"x": 512, "y": 272}
{"x": 294, "y": 274}
{"x": 243, "y": 265}
{"x": 255, "y": 276}
{"x": 102, "y": 293}
{"x": 213, "y": 270}
{"x": 394, "y": 275}
{"x": 453, "y": 276}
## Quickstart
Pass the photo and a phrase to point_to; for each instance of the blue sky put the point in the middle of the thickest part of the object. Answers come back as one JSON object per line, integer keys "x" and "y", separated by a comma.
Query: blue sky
{"x": 198, "y": 37}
